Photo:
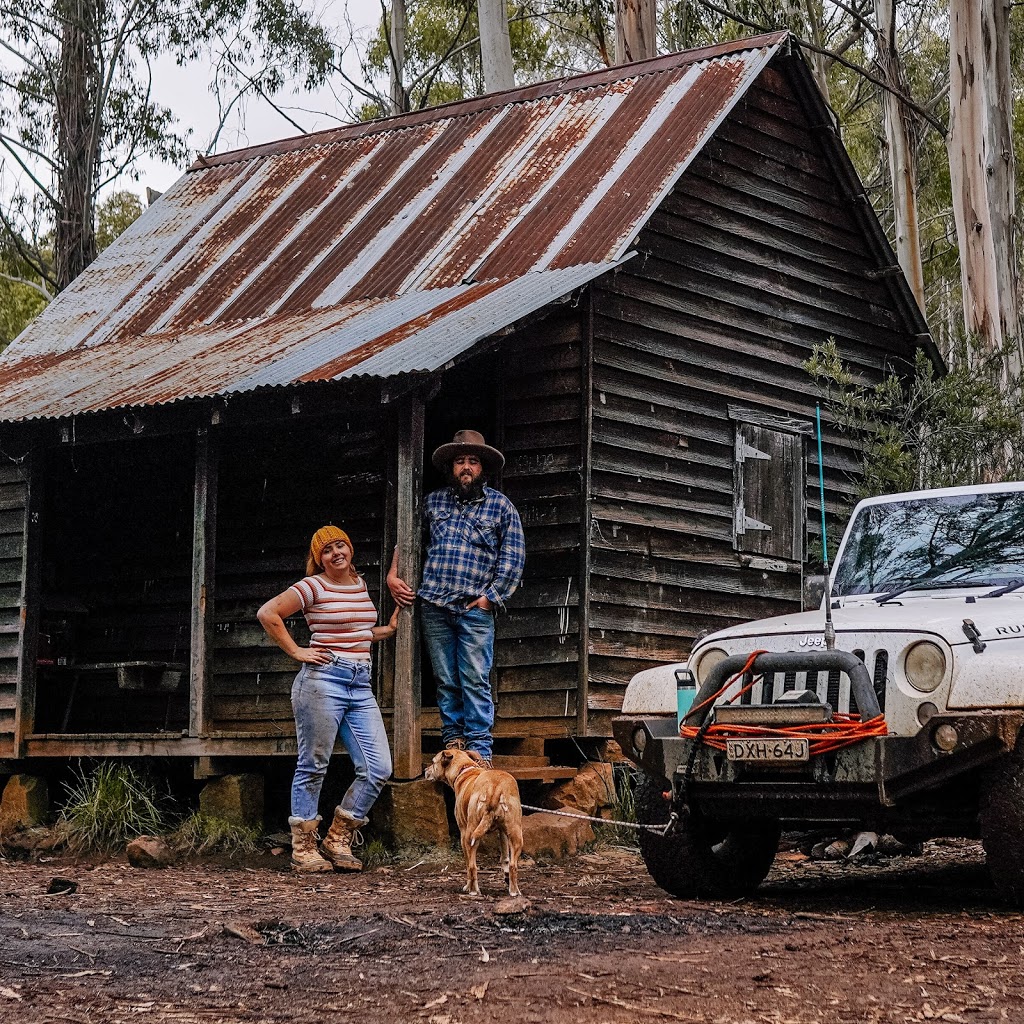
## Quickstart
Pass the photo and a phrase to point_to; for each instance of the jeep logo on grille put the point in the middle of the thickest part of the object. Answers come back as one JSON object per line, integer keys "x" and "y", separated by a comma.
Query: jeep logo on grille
{"x": 812, "y": 641}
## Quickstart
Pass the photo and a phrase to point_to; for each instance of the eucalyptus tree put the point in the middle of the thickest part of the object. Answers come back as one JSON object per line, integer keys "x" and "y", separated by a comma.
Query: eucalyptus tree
{"x": 76, "y": 105}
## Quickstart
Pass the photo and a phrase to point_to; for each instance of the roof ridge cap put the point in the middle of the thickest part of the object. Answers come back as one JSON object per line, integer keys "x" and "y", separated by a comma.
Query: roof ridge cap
{"x": 475, "y": 104}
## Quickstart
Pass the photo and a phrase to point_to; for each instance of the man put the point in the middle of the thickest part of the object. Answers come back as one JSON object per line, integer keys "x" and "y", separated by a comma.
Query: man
{"x": 474, "y": 562}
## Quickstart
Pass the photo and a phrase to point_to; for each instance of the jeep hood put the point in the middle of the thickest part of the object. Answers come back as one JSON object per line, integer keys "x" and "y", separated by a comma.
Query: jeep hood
{"x": 941, "y": 612}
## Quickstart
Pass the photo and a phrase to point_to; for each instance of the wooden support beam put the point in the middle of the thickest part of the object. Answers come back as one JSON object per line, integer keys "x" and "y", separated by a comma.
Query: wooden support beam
{"x": 203, "y": 554}
{"x": 586, "y": 445}
{"x": 409, "y": 489}
{"x": 28, "y": 648}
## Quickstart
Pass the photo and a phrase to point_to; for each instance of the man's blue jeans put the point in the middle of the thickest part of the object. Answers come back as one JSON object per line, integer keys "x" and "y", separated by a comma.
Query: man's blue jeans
{"x": 461, "y": 646}
{"x": 332, "y": 701}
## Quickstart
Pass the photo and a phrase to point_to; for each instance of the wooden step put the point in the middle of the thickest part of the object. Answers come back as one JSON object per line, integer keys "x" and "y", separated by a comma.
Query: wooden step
{"x": 556, "y": 773}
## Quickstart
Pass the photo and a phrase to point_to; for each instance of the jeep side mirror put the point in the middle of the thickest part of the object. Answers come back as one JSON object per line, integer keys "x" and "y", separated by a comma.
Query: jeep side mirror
{"x": 813, "y": 592}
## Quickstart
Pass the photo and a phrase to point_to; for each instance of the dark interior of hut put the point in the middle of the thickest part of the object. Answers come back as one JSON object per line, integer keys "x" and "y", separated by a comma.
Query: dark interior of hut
{"x": 115, "y": 589}
{"x": 117, "y": 552}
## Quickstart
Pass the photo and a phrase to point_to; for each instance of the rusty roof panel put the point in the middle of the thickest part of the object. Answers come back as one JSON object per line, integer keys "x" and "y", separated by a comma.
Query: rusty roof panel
{"x": 377, "y": 248}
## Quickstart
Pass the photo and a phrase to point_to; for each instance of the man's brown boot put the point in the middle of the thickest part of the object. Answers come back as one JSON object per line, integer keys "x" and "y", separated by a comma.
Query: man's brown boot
{"x": 305, "y": 840}
{"x": 337, "y": 844}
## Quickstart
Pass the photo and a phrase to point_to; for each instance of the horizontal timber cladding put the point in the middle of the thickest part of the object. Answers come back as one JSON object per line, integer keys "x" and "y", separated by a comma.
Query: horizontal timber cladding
{"x": 13, "y": 506}
{"x": 753, "y": 259}
{"x": 277, "y": 485}
{"x": 537, "y": 645}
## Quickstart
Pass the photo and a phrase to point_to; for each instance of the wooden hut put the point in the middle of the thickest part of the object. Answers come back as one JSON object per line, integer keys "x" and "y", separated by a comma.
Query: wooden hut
{"x": 615, "y": 277}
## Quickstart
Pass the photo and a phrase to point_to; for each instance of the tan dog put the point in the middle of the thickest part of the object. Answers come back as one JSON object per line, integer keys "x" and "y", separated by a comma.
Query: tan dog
{"x": 485, "y": 799}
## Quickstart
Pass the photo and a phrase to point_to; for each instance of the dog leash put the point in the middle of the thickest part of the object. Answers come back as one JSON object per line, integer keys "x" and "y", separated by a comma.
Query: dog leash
{"x": 658, "y": 830}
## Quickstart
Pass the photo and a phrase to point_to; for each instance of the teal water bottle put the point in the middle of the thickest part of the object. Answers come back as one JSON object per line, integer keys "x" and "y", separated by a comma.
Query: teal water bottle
{"x": 686, "y": 690}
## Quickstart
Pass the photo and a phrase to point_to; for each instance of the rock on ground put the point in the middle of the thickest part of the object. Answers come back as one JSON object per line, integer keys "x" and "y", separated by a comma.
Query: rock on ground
{"x": 149, "y": 852}
{"x": 592, "y": 789}
{"x": 553, "y": 837}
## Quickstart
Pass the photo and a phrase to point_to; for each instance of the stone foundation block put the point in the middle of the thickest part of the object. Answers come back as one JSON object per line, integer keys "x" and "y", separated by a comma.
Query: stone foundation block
{"x": 412, "y": 814}
{"x": 237, "y": 799}
{"x": 553, "y": 837}
{"x": 592, "y": 789}
{"x": 25, "y": 802}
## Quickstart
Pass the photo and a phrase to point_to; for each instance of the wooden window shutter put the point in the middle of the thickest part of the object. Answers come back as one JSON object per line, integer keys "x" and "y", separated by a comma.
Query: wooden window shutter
{"x": 769, "y": 488}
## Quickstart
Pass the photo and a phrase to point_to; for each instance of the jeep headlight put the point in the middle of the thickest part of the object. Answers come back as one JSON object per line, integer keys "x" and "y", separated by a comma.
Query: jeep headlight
{"x": 706, "y": 661}
{"x": 925, "y": 666}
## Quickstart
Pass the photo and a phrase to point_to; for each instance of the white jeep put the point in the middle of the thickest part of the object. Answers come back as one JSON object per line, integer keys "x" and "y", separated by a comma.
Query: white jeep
{"x": 927, "y": 606}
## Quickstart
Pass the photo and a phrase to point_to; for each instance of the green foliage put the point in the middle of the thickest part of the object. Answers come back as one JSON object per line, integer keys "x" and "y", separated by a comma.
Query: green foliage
{"x": 443, "y": 53}
{"x": 110, "y": 806}
{"x": 115, "y": 214}
{"x": 627, "y": 778}
{"x": 199, "y": 833}
{"x": 925, "y": 428}
{"x": 376, "y": 853}
{"x": 76, "y": 108}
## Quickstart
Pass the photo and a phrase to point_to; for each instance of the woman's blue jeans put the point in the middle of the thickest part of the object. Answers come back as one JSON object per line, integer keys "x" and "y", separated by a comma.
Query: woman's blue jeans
{"x": 461, "y": 646}
{"x": 332, "y": 701}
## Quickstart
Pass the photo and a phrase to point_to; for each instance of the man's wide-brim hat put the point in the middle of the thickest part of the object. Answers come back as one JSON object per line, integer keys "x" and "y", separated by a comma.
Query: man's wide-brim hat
{"x": 468, "y": 442}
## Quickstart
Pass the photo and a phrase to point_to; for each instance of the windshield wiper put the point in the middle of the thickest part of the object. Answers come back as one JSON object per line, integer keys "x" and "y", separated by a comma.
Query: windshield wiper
{"x": 1009, "y": 588}
{"x": 926, "y": 584}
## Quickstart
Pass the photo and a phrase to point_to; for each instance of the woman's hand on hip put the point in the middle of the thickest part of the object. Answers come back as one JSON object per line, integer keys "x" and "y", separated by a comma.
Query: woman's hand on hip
{"x": 313, "y": 656}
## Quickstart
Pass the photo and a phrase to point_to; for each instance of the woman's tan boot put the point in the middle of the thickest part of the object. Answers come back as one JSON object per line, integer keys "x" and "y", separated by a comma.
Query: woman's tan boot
{"x": 305, "y": 840}
{"x": 337, "y": 844}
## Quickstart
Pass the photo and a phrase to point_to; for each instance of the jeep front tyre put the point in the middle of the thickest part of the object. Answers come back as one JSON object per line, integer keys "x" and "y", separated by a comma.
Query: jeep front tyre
{"x": 1002, "y": 824}
{"x": 702, "y": 859}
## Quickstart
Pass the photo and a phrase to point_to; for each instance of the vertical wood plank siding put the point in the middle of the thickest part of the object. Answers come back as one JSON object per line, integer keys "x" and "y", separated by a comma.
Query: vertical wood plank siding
{"x": 753, "y": 259}
{"x": 13, "y": 503}
{"x": 278, "y": 484}
{"x": 537, "y": 645}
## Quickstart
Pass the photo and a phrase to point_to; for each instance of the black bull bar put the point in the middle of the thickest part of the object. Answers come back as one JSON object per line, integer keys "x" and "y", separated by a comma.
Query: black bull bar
{"x": 878, "y": 772}
{"x": 790, "y": 661}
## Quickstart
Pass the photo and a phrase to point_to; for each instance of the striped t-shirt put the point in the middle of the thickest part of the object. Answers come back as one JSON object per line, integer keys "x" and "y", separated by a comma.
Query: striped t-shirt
{"x": 339, "y": 617}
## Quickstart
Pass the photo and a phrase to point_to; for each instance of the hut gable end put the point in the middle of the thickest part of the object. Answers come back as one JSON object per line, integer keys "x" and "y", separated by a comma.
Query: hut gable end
{"x": 701, "y": 399}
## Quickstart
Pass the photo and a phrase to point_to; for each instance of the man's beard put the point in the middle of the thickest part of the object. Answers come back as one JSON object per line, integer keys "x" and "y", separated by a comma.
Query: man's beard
{"x": 469, "y": 491}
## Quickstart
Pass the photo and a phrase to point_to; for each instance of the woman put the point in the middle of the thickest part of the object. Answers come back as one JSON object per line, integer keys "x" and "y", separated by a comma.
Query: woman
{"x": 332, "y": 697}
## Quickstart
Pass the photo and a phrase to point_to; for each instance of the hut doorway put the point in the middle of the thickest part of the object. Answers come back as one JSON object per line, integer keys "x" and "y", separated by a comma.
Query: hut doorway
{"x": 468, "y": 399}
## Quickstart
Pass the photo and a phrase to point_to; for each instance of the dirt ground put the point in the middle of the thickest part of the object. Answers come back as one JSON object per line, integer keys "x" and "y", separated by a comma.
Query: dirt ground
{"x": 907, "y": 939}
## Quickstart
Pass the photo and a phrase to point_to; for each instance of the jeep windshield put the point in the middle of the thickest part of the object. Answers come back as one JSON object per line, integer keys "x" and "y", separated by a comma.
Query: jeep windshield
{"x": 959, "y": 540}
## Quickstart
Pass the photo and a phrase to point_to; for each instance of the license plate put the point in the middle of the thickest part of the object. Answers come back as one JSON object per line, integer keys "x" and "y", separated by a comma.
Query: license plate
{"x": 774, "y": 751}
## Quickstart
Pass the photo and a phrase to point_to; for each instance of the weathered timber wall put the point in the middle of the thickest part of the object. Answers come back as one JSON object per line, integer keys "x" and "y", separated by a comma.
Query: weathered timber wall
{"x": 277, "y": 485}
{"x": 753, "y": 259}
{"x": 537, "y": 646}
{"x": 13, "y": 498}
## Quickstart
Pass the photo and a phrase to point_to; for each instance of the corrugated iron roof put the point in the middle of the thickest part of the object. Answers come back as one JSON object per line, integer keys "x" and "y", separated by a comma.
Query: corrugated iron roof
{"x": 381, "y": 248}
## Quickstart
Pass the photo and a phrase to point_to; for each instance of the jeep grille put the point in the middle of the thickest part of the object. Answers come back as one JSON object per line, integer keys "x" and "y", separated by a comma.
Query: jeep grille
{"x": 832, "y": 687}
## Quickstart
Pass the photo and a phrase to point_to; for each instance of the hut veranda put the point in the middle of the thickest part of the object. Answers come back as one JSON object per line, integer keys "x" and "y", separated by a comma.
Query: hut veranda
{"x": 615, "y": 277}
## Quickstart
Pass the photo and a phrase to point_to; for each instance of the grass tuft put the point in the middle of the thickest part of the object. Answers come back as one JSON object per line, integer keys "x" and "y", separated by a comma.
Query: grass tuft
{"x": 199, "y": 833}
{"x": 626, "y": 777}
{"x": 376, "y": 853}
{"x": 107, "y": 808}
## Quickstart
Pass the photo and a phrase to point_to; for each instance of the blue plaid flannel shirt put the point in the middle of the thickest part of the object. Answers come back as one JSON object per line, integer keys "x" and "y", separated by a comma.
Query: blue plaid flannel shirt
{"x": 475, "y": 548}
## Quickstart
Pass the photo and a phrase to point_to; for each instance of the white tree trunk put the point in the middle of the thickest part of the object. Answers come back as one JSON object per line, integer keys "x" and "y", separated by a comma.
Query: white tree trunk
{"x": 902, "y": 153}
{"x": 982, "y": 174}
{"x": 495, "y": 48}
{"x": 399, "y": 20}
{"x": 636, "y": 30}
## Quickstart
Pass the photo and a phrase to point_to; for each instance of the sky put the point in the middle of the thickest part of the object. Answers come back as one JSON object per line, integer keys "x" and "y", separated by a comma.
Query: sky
{"x": 186, "y": 92}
